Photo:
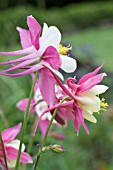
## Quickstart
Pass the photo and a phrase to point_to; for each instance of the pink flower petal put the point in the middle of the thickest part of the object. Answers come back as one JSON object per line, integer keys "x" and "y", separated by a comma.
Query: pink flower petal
{"x": 90, "y": 83}
{"x": 35, "y": 30}
{"x": 2, "y": 164}
{"x": 52, "y": 57}
{"x": 28, "y": 57}
{"x": 22, "y": 104}
{"x": 24, "y": 37}
{"x": 89, "y": 75}
{"x": 57, "y": 135}
{"x": 20, "y": 65}
{"x": 47, "y": 86}
{"x": 10, "y": 133}
{"x": 43, "y": 126}
{"x": 79, "y": 119}
{"x": 29, "y": 71}
{"x": 28, "y": 50}
{"x": 12, "y": 153}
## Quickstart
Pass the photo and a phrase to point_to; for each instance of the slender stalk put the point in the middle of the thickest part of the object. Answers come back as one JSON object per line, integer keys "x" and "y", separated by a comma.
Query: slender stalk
{"x": 25, "y": 121}
{"x": 3, "y": 149}
{"x": 47, "y": 131}
{"x": 32, "y": 137}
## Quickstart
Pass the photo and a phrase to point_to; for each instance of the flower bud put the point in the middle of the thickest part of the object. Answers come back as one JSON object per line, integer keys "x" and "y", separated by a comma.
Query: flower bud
{"x": 57, "y": 148}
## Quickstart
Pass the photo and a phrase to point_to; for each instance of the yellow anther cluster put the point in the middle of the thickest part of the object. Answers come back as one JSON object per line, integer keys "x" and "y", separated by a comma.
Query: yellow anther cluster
{"x": 64, "y": 50}
{"x": 103, "y": 104}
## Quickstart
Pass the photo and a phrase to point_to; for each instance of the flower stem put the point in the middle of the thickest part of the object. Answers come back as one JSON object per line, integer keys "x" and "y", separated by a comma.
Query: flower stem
{"x": 47, "y": 131}
{"x": 32, "y": 137}
{"x": 3, "y": 149}
{"x": 25, "y": 121}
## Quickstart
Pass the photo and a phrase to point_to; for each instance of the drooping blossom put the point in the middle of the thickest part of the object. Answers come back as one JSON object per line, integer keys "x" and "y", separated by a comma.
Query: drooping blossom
{"x": 39, "y": 50}
{"x": 38, "y": 105}
{"x": 83, "y": 98}
{"x": 11, "y": 145}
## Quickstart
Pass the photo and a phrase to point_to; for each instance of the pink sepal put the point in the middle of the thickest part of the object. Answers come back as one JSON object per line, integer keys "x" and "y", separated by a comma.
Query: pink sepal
{"x": 89, "y": 75}
{"x": 22, "y": 104}
{"x": 24, "y": 37}
{"x": 12, "y": 153}
{"x": 10, "y": 133}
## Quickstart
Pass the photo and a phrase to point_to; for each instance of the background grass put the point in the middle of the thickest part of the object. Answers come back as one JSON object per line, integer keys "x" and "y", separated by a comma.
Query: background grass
{"x": 98, "y": 41}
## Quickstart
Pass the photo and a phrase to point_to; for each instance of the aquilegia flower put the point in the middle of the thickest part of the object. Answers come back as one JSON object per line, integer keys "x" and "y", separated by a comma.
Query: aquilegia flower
{"x": 40, "y": 51}
{"x": 38, "y": 105}
{"x": 11, "y": 146}
{"x": 83, "y": 98}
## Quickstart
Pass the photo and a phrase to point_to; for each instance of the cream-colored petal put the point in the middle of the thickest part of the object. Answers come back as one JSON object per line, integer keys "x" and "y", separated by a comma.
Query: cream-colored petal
{"x": 91, "y": 103}
{"x": 98, "y": 89}
{"x": 41, "y": 107}
{"x": 37, "y": 95}
{"x": 88, "y": 116}
{"x": 69, "y": 64}
{"x": 15, "y": 144}
{"x": 11, "y": 163}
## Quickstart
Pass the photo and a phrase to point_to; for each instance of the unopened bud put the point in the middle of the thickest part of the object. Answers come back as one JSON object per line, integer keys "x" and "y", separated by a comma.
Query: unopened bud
{"x": 57, "y": 148}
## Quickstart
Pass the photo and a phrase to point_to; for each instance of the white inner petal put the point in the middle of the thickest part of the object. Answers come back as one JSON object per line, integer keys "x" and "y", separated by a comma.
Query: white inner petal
{"x": 15, "y": 144}
{"x": 50, "y": 37}
{"x": 68, "y": 64}
{"x": 11, "y": 163}
{"x": 88, "y": 116}
{"x": 41, "y": 107}
{"x": 91, "y": 103}
{"x": 98, "y": 89}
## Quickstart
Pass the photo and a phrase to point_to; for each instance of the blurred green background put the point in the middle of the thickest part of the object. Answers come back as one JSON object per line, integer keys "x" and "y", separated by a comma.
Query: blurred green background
{"x": 88, "y": 27}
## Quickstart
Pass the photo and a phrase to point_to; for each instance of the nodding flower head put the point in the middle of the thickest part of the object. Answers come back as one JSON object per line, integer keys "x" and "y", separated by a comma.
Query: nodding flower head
{"x": 83, "y": 98}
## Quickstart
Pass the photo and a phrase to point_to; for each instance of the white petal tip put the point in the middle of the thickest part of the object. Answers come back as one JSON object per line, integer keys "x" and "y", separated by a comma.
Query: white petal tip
{"x": 69, "y": 64}
{"x": 18, "y": 28}
{"x": 95, "y": 121}
{"x": 104, "y": 74}
{"x": 30, "y": 162}
{"x": 31, "y": 16}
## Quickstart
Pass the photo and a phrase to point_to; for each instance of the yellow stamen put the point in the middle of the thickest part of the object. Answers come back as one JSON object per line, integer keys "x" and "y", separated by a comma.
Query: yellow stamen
{"x": 64, "y": 50}
{"x": 103, "y": 105}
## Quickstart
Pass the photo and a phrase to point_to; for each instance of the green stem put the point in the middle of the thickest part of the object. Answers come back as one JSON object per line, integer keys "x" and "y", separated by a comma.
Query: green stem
{"x": 25, "y": 121}
{"x": 47, "y": 132}
{"x": 3, "y": 149}
{"x": 32, "y": 137}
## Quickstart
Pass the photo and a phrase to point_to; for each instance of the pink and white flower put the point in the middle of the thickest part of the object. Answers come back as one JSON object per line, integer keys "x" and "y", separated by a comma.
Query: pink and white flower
{"x": 11, "y": 145}
{"x": 40, "y": 51}
{"x": 38, "y": 105}
{"x": 83, "y": 98}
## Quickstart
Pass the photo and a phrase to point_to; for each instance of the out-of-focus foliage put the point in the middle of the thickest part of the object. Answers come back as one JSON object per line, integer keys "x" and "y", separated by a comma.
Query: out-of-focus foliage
{"x": 41, "y": 3}
{"x": 69, "y": 18}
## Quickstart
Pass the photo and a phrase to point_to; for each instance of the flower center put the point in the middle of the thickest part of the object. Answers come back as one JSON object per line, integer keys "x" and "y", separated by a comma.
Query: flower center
{"x": 103, "y": 105}
{"x": 64, "y": 50}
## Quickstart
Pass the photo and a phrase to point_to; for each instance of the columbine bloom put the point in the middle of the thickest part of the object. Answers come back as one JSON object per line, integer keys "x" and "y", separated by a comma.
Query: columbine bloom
{"x": 38, "y": 105}
{"x": 83, "y": 98}
{"x": 40, "y": 51}
{"x": 11, "y": 146}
